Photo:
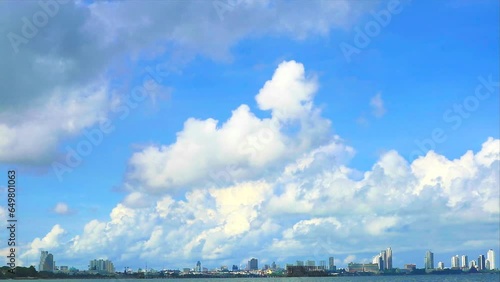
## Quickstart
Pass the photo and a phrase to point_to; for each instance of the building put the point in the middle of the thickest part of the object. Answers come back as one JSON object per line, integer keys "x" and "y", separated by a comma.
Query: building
{"x": 362, "y": 267}
{"x": 455, "y": 262}
{"x": 311, "y": 263}
{"x": 379, "y": 261}
{"x": 253, "y": 264}
{"x": 273, "y": 266}
{"x": 410, "y": 267}
{"x": 300, "y": 263}
{"x": 322, "y": 264}
{"x": 383, "y": 259}
{"x": 472, "y": 264}
{"x": 388, "y": 261}
{"x": 64, "y": 269}
{"x": 101, "y": 266}
{"x": 491, "y": 258}
{"x": 465, "y": 262}
{"x": 331, "y": 264}
{"x": 46, "y": 262}
{"x": 440, "y": 265}
{"x": 481, "y": 263}
{"x": 197, "y": 268}
{"x": 429, "y": 260}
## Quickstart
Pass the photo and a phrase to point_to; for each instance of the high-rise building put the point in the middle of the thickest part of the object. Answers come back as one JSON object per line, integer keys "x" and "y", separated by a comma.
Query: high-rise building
{"x": 383, "y": 258}
{"x": 491, "y": 257}
{"x": 311, "y": 263}
{"x": 322, "y": 264}
{"x": 465, "y": 262}
{"x": 43, "y": 255}
{"x": 455, "y": 262}
{"x": 253, "y": 264}
{"x": 429, "y": 260}
{"x": 440, "y": 265}
{"x": 300, "y": 263}
{"x": 101, "y": 266}
{"x": 481, "y": 263}
{"x": 331, "y": 263}
{"x": 46, "y": 262}
{"x": 197, "y": 268}
{"x": 388, "y": 261}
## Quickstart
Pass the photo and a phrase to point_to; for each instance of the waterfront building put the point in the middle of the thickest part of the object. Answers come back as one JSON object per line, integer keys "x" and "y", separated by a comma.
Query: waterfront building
{"x": 311, "y": 263}
{"x": 455, "y": 262}
{"x": 440, "y": 265}
{"x": 322, "y": 264}
{"x": 491, "y": 258}
{"x": 362, "y": 267}
{"x": 101, "y": 266}
{"x": 331, "y": 264}
{"x": 429, "y": 260}
{"x": 253, "y": 264}
{"x": 46, "y": 262}
{"x": 481, "y": 263}
{"x": 383, "y": 258}
{"x": 300, "y": 263}
{"x": 198, "y": 267}
{"x": 410, "y": 267}
{"x": 388, "y": 261}
{"x": 465, "y": 262}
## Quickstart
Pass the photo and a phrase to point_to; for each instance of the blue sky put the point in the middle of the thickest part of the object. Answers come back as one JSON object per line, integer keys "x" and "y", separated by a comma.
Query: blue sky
{"x": 360, "y": 145}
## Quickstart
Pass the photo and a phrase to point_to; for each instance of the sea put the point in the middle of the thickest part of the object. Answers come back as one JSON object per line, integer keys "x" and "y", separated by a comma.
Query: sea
{"x": 416, "y": 278}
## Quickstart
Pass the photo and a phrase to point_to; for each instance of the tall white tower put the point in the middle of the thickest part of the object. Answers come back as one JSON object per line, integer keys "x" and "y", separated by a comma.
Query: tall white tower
{"x": 465, "y": 262}
{"x": 388, "y": 262}
{"x": 454, "y": 262}
{"x": 491, "y": 257}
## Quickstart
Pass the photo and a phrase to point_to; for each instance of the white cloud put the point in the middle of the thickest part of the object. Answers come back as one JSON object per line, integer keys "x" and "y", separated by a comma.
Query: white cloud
{"x": 47, "y": 82}
{"x": 377, "y": 105}
{"x": 62, "y": 208}
{"x": 242, "y": 148}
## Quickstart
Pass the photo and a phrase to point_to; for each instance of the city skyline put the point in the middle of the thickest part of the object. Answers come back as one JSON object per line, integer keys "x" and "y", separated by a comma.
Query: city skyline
{"x": 106, "y": 265}
{"x": 172, "y": 132}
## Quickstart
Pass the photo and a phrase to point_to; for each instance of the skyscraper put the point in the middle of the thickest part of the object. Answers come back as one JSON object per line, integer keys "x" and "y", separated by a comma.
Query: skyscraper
{"x": 429, "y": 260}
{"x": 43, "y": 256}
{"x": 331, "y": 263}
{"x": 481, "y": 263}
{"x": 383, "y": 257}
{"x": 440, "y": 265}
{"x": 491, "y": 257}
{"x": 465, "y": 262}
{"x": 46, "y": 262}
{"x": 455, "y": 262}
{"x": 388, "y": 262}
{"x": 101, "y": 266}
{"x": 198, "y": 267}
{"x": 253, "y": 264}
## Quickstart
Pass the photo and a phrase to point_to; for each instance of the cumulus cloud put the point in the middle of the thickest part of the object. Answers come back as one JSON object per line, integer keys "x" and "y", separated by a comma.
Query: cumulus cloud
{"x": 377, "y": 105}
{"x": 307, "y": 204}
{"x": 244, "y": 147}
